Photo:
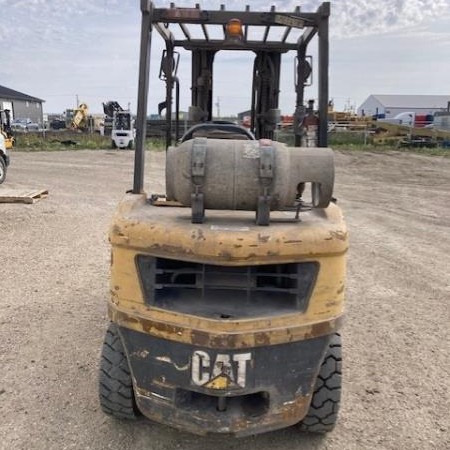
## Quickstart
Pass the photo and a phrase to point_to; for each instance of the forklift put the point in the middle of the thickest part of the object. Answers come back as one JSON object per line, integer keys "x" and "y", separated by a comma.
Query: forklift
{"x": 122, "y": 134}
{"x": 5, "y": 128}
{"x": 227, "y": 291}
{"x": 6, "y": 142}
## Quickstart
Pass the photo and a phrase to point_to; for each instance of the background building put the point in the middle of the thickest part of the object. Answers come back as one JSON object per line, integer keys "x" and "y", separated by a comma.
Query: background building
{"x": 388, "y": 106}
{"x": 22, "y": 106}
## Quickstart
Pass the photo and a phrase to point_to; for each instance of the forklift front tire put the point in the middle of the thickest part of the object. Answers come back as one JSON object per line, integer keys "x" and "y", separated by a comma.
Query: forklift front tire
{"x": 323, "y": 411}
{"x": 115, "y": 384}
{"x": 2, "y": 170}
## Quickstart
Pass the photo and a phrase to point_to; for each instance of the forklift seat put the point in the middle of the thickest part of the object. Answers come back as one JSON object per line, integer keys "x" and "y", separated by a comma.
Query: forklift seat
{"x": 218, "y": 130}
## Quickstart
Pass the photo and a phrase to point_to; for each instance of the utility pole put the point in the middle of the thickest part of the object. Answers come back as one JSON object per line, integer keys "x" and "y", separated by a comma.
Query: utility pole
{"x": 218, "y": 107}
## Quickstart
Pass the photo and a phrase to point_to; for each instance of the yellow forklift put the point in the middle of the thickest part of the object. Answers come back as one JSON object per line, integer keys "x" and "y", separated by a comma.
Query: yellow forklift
{"x": 227, "y": 291}
{"x": 6, "y": 142}
{"x": 5, "y": 128}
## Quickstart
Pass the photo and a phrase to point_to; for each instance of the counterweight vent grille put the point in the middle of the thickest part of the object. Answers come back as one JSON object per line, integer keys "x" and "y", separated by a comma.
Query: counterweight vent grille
{"x": 224, "y": 291}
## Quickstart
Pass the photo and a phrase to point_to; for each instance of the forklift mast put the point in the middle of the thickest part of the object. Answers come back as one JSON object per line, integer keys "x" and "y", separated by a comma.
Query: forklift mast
{"x": 173, "y": 24}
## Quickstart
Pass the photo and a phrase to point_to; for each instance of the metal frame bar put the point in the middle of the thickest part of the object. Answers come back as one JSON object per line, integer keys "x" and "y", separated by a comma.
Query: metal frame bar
{"x": 216, "y": 44}
{"x": 323, "y": 75}
{"x": 161, "y": 18}
{"x": 141, "y": 120}
{"x": 222, "y": 17}
{"x": 185, "y": 31}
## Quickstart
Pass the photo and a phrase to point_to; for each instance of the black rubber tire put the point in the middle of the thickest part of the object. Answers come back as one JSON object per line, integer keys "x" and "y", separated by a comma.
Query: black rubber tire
{"x": 113, "y": 144}
{"x": 115, "y": 384}
{"x": 2, "y": 170}
{"x": 130, "y": 145}
{"x": 324, "y": 408}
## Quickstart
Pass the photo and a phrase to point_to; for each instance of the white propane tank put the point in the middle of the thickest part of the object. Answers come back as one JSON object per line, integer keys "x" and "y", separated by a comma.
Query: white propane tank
{"x": 232, "y": 173}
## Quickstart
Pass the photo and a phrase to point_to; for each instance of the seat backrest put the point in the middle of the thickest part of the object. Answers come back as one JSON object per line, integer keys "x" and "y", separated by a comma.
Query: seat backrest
{"x": 218, "y": 130}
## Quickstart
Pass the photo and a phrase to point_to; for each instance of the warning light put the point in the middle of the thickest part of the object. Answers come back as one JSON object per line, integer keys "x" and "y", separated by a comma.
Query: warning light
{"x": 234, "y": 29}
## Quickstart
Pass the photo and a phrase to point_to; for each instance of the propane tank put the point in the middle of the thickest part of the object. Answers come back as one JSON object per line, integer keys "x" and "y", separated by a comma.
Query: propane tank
{"x": 235, "y": 173}
{"x": 310, "y": 127}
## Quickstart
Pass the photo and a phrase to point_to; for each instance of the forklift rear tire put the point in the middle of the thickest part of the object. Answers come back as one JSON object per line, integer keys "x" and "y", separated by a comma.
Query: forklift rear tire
{"x": 115, "y": 384}
{"x": 130, "y": 145}
{"x": 113, "y": 144}
{"x": 323, "y": 411}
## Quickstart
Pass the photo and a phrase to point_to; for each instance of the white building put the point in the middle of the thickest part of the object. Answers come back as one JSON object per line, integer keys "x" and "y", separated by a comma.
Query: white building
{"x": 390, "y": 105}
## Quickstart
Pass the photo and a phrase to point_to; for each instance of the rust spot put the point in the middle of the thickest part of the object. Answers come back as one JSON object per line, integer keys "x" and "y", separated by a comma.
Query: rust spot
{"x": 217, "y": 341}
{"x": 338, "y": 235}
{"x": 321, "y": 329}
{"x": 162, "y": 382}
{"x": 222, "y": 340}
{"x": 123, "y": 319}
{"x": 293, "y": 411}
{"x": 293, "y": 242}
{"x": 199, "y": 338}
{"x": 262, "y": 339}
{"x": 198, "y": 235}
{"x": 172, "y": 249}
{"x": 164, "y": 328}
{"x": 114, "y": 298}
{"x": 331, "y": 304}
{"x": 237, "y": 246}
{"x": 117, "y": 231}
{"x": 142, "y": 391}
{"x": 226, "y": 255}
{"x": 341, "y": 289}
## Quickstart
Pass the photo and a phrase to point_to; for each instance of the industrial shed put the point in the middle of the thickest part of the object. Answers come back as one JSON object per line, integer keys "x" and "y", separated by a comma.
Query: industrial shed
{"x": 388, "y": 106}
{"x": 22, "y": 106}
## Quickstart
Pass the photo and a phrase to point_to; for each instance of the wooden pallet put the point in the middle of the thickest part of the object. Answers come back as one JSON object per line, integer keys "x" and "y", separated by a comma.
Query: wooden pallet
{"x": 21, "y": 195}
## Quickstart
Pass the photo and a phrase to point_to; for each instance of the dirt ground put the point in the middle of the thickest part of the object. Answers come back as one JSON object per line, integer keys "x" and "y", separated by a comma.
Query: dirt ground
{"x": 54, "y": 286}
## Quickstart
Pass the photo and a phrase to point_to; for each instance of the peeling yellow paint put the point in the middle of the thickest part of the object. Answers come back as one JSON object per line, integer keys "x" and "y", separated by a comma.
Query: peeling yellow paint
{"x": 139, "y": 228}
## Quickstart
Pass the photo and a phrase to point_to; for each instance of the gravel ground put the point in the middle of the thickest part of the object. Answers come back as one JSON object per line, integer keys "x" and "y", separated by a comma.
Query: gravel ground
{"x": 54, "y": 285}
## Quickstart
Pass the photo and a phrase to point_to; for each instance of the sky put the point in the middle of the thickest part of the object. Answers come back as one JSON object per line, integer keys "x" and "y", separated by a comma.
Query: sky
{"x": 63, "y": 51}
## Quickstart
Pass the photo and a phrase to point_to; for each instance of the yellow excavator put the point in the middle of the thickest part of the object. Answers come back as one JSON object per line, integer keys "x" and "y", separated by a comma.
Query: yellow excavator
{"x": 80, "y": 117}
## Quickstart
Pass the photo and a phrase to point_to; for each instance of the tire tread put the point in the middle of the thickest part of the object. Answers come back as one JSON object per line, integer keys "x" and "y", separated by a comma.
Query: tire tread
{"x": 116, "y": 392}
{"x": 324, "y": 407}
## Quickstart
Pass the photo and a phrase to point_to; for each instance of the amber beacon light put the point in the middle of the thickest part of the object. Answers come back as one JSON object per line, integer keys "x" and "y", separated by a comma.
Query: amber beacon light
{"x": 234, "y": 29}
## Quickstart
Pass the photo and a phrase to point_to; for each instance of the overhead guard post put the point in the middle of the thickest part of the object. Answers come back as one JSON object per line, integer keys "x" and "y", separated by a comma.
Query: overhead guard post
{"x": 141, "y": 121}
{"x": 323, "y": 74}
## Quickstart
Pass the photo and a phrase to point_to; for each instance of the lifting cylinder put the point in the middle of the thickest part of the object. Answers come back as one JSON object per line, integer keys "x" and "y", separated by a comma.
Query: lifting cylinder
{"x": 234, "y": 174}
